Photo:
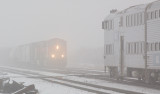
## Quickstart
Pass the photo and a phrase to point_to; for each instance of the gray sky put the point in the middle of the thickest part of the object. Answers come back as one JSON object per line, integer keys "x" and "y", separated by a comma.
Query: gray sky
{"x": 77, "y": 21}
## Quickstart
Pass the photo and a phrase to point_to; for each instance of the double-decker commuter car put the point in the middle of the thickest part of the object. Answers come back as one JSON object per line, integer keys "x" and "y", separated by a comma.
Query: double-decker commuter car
{"x": 132, "y": 42}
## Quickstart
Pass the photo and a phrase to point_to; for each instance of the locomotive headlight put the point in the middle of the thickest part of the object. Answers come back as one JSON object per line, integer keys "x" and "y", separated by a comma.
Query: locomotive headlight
{"x": 57, "y": 47}
{"x": 62, "y": 56}
{"x": 53, "y": 56}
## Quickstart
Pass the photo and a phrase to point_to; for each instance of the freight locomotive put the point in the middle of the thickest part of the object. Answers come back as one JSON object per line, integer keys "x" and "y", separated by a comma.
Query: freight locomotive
{"x": 51, "y": 53}
{"x": 132, "y": 42}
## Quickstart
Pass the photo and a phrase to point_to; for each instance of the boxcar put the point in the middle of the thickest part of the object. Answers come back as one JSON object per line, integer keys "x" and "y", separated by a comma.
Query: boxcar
{"x": 50, "y": 53}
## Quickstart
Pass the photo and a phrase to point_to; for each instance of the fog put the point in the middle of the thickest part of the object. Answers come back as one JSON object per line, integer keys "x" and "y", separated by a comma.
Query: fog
{"x": 76, "y": 21}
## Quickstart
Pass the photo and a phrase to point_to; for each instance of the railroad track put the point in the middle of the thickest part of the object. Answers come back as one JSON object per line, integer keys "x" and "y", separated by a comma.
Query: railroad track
{"x": 70, "y": 83}
{"x": 102, "y": 76}
{"x": 94, "y": 74}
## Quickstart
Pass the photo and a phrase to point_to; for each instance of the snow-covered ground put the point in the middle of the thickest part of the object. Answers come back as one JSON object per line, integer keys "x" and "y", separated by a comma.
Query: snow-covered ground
{"x": 46, "y": 87}
{"x": 114, "y": 85}
{"x": 85, "y": 80}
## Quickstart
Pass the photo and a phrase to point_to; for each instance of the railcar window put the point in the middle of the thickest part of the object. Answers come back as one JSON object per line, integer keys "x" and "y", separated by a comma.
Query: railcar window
{"x": 111, "y": 24}
{"x": 135, "y": 21}
{"x": 134, "y": 17}
{"x": 112, "y": 49}
{"x": 159, "y": 13}
{"x": 157, "y": 46}
{"x": 129, "y": 51}
{"x": 147, "y": 46}
{"x": 153, "y": 47}
{"x": 132, "y": 20}
{"x": 141, "y": 47}
{"x": 127, "y": 21}
{"x": 138, "y": 16}
{"x": 148, "y": 16}
{"x": 142, "y": 18}
{"x": 108, "y": 25}
{"x": 126, "y": 51}
{"x": 132, "y": 48}
{"x": 121, "y": 22}
{"x": 156, "y": 14}
{"x": 138, "y": 19}
{"x": 133, "y": 44}
{"x": 150, "y": 46}
{"x": 109, "y": 49}
{"x": 127, "y": 46}
{"x": 137, "y": 46}
{"x": 151, "y": 15}
{"x": 103, "y": 25}
{"x": 106, "y": 49}
{"x": 129, "y": 24}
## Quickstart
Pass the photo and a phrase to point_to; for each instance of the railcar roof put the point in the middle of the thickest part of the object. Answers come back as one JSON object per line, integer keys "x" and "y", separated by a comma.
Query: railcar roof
{"x": 131, "y": 9}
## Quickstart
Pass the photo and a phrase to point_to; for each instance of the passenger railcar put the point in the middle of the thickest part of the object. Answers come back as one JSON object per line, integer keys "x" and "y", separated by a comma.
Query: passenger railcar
{"x": 132, "y": 42}
{"x": 50, "y": 53}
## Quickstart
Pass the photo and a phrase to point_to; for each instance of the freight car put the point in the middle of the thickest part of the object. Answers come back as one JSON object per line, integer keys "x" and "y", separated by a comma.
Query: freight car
{"x": 50, "y": 53}
{"x": 132, "y": 42}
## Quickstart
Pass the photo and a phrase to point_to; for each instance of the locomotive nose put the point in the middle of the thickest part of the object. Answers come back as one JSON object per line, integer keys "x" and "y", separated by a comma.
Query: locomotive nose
{"x": 53, "y": 56}
{"x": 57, "y": 47}
{"x": 62, "y": 56}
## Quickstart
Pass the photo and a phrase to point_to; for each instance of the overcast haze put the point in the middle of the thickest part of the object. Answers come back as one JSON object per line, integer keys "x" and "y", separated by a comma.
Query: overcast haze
{"x": 76, "y": 21}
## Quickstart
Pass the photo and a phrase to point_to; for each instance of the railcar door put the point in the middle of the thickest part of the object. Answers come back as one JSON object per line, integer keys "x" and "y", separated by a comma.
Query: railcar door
{"x": 119, "y": 47}
{"x": 121, "y": 59}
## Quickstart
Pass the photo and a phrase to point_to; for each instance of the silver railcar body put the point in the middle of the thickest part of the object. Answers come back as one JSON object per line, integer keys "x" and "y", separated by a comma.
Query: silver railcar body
{"x": 130, "y": 36}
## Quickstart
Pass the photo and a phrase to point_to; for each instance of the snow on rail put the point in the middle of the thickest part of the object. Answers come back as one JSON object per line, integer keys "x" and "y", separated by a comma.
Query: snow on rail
{"x": 96, "y": 82}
